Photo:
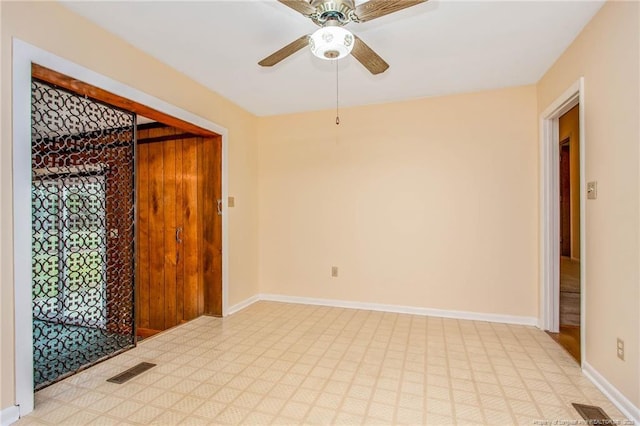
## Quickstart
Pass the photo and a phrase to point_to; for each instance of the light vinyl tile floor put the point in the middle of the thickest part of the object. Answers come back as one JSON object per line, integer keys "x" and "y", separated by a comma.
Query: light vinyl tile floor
{"x": 276, "y": 363}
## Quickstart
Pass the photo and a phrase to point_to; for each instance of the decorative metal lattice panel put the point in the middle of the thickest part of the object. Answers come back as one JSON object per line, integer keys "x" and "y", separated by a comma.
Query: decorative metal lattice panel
{"x": 82, "y": 236}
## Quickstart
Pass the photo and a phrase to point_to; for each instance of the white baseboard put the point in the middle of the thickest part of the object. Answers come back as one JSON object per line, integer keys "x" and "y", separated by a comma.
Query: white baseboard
{"x": 241, "y": 305}
{"x": 9, "y": 415}
{"x": 619, "y": 400}
{"x": 475, "y": 316}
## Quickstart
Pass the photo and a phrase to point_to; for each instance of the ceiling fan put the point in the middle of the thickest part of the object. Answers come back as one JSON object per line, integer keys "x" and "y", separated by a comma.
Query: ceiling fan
{"x": 332, "y": 41}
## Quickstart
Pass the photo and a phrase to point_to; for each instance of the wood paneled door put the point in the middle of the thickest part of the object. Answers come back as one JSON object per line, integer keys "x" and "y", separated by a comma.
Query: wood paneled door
{"x": 565, "y": 199}
{"x": 179, "y": 229}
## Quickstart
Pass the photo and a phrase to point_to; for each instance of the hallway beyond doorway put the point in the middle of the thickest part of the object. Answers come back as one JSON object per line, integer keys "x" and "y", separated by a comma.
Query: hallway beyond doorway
{"x": 569, "y": 334}
{"x": 569, "y": 292}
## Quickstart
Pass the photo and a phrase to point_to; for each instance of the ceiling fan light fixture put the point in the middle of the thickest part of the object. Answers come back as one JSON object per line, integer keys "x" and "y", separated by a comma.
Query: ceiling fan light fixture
{"x": 331, "y": 43}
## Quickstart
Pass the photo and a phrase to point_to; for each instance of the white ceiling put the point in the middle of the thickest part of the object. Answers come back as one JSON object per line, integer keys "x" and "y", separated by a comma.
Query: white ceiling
{"x": 436, "y": 48}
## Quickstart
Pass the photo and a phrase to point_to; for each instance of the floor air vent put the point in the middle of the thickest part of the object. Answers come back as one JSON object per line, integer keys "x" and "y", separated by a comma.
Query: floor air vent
{"x": 131, "y": 373}
{"x": 592, "y": 414}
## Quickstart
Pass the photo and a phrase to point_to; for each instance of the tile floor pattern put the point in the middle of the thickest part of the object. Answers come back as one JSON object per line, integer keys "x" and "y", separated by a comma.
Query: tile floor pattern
{"x": 276, "y": 363}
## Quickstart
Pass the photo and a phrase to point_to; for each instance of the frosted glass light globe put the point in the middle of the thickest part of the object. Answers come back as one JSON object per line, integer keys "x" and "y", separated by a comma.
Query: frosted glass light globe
{"x": 331, "y": 43}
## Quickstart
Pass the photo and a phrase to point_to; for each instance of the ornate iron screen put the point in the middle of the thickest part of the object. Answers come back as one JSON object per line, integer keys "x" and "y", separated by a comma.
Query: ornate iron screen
{"x": 82, "y": 231}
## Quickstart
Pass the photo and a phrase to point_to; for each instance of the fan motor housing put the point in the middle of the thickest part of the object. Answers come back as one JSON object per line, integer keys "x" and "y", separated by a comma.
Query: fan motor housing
{"x": 338, "y": 11}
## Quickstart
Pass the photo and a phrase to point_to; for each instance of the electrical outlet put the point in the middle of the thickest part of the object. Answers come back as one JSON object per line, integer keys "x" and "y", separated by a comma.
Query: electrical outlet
{"x": 334, "y": 271}
{"x": 620, "y": 346}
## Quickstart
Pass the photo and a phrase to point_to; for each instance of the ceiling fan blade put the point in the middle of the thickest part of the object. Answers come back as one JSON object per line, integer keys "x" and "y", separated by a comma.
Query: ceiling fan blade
{"x": 301, "y": 6}
{"x": 367, "y": 57}
{"x": 376, "y": 8}
{"x": 285, "y": 52}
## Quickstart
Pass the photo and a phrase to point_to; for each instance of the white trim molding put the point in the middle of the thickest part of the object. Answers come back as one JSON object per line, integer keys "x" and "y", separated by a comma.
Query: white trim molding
{"x": 24, "y": 55}
{"x": 241, "y": 305}
{"x": 9, "y": 415}
{"x": 400, "y": 309}
{"x": 619, "y": 400}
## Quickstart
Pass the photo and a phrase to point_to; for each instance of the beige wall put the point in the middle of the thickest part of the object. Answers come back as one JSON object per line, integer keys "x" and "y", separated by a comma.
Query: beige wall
{"x": 428, "y": 203}
{"x": 52, "y": 27}
{"x": 606, "y": 53}
{"x": 569, "y": 127}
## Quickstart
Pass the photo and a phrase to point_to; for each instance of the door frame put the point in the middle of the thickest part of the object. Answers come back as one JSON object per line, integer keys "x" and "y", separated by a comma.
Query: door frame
{"x": 24, "y": 54}
{"x": 550, "y": 211}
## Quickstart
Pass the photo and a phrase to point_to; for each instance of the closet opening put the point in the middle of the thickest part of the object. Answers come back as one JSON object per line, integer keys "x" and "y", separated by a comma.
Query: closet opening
{"x": 178, "y": 232}
{"x": 126, "y": 224}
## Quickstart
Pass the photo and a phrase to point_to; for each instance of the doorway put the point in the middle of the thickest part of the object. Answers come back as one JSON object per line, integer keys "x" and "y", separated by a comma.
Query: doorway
{"x": 562, "y": 221}
{"x": 568, "y": 334}
{"x": 178, "y": 204}
{"x": 97, "y": 86}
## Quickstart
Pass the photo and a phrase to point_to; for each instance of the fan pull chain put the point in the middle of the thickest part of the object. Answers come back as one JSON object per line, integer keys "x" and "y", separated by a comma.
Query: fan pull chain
{"x": 337, "y": 97}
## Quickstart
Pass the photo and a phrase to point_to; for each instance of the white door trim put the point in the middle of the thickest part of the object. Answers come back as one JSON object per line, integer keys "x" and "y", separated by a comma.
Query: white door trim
{"x": 24, "y": 55}
{"x": 550, "y": 210}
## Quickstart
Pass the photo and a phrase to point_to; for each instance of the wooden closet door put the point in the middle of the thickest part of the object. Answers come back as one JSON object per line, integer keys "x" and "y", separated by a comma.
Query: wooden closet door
{"x": 190, "y": 239}
{"x": 158, "y": 252}
{"x": 142, "y": 237}
{"x": 156, "y": 237}
{"x": 211, "y": 252}
{"x": 202, "y": 242}
{"x": 172, "y": 186}
{"x": 159, "y": 188}
{"x": 179, "y": 230}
